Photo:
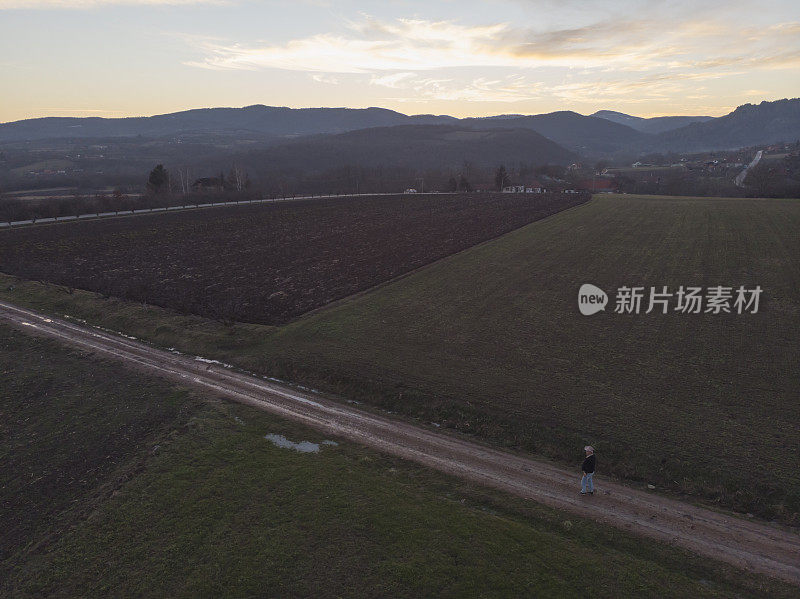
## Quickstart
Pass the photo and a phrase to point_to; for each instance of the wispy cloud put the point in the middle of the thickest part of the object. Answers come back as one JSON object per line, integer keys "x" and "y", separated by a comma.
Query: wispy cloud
{"x": 403, "y": 44}
{"x": 325, "y": 78}
{"x": 410, "y": 45}
{"x": 511, "y": 88}
{"x": 394, "y": 80}
{"x": 616, "y": 58}
{"x": 84, "y": 4}
{"x": 371, "y": 46}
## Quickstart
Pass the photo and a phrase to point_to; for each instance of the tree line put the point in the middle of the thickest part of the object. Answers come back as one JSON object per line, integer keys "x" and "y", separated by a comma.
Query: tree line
{"x": 160, "y": 181}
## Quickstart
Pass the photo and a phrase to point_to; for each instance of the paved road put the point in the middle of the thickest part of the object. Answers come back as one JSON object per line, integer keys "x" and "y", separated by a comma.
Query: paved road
{"x": 739, "y": 180}
{"x": 143, "y": 211}
{"x": 748, "y": 544}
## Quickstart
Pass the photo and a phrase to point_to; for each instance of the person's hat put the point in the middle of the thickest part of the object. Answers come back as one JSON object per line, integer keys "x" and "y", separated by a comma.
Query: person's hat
{"x": 589, "y": 448}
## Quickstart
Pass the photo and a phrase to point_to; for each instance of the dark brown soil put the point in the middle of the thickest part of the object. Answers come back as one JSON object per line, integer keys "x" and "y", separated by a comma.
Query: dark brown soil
{"x": 271, "y": 262}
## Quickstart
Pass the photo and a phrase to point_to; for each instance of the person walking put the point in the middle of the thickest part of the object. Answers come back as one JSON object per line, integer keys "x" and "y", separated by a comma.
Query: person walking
{"x": 587, "y": 484}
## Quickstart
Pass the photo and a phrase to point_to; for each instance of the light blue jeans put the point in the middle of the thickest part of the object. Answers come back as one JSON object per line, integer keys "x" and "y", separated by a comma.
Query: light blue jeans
{"x": 587, "y": 484}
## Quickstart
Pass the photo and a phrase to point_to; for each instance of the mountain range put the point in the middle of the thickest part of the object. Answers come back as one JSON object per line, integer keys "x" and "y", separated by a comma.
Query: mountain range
{"x": 559, "y": 136}
{"x": 263, "y": 121}
{"x": 657, "y": 124}
{"x": 586, "y": 135}
{"x": 748, "y": 125}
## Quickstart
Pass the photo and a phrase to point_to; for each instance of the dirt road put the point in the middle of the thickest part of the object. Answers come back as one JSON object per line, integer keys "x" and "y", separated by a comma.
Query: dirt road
{"x": 750, "y": 545}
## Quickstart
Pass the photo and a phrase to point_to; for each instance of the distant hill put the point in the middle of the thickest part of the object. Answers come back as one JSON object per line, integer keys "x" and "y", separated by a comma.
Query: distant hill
{"x": 657, "y": 124}
{"x": 263, "y": 121}
{"x": 569, "y": 129}
{"x": 604, "y": 134}
{"x": 748, "y": 125}
{"x": 582, "y": 134}
{"x": 413, "y": 146}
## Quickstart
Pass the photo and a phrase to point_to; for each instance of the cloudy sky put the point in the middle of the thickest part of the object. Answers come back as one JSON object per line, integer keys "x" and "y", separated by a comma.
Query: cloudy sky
{"x": 459, "y": 57}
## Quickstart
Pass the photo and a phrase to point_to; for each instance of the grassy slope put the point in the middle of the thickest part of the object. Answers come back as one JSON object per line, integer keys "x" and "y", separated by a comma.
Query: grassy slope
{"x": 44, "y": 164}
{"x": 208, "y": 507}
{"x": 699, "y": 403}
{"x": 70, "y": 434}
{"x": 490, "y": 342}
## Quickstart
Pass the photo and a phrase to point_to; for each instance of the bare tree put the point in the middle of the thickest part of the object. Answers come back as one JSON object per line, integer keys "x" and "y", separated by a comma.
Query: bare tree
{"x": 185, "y": 174}
{"x": 236, "y": 178}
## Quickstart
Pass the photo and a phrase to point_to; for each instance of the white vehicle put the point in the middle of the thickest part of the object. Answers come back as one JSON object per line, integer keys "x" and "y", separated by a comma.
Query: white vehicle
{"x": 410, "y": 190}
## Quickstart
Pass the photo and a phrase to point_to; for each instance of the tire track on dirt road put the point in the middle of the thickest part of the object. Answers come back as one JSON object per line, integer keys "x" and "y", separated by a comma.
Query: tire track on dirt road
{"x": 747, "y": 544}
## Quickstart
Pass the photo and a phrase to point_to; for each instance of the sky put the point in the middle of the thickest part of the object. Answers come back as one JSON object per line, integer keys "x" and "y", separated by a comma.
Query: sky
{"x": 457, "y": 57}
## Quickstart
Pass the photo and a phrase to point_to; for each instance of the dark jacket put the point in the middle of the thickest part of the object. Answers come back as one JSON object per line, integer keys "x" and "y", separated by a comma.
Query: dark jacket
{"x": 588, "y": 464}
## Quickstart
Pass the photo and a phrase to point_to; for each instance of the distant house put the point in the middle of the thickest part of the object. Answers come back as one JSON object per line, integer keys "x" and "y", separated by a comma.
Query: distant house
{"x": 535, "y": 187}
{"x": 636, "y": 164}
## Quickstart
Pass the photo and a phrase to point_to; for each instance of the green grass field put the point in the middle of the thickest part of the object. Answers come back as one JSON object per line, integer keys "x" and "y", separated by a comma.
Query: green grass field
{"x": 55, "y": 164}
{"x": 490, "y": 342}
{"x": 116, "y": 486}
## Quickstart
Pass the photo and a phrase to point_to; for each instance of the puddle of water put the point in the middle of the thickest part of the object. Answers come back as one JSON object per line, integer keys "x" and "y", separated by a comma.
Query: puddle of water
{"x": 302, "y": 447}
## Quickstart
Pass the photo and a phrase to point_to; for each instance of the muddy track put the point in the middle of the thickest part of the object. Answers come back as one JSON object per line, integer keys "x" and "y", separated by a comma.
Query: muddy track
{"x": 747, "y": 544}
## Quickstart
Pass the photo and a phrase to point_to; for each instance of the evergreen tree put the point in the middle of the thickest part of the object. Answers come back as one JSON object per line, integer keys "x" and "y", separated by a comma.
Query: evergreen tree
{"x": 501, "y": 178}
{"x": 159, "y": 179}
